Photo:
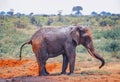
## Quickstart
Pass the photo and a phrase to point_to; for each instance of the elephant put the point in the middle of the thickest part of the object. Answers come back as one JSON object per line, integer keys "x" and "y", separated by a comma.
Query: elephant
{"x": 51, "y": 42}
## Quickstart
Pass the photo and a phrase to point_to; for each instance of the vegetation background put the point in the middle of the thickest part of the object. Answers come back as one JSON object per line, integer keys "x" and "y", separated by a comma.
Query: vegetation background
{"x": 15, "y": 29}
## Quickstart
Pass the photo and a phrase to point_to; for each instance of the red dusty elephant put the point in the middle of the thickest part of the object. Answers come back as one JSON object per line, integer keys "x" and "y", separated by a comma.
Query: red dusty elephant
{"x": 51, "y": 42}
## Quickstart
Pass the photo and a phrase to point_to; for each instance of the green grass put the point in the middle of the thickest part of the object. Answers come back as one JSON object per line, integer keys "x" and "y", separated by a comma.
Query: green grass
{"x": 11, "y": 37}
{"x": 10, "y": 42}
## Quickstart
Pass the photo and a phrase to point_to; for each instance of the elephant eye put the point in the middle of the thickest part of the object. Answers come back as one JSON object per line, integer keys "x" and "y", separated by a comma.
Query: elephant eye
{"x": 82, "y": 32}
{"x": 87, "y": 39}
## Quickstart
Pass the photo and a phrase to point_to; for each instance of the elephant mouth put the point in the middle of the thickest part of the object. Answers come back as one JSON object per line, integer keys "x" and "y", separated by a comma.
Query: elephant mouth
{"x": 95, "y": 54}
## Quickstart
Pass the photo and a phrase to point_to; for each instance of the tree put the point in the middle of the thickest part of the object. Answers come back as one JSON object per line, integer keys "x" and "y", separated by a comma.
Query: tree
{"x": 50, "y": 21}
{"x": 33, "y": 20}
{"x": 2, "y": 13}
{"x": 60, "y": 15}
{"x": 11, "y": 12}
{"x": 77, "y": 10}
{"x": 108, "y": 13}
{"x": 31, "y": 14}
{"x": 94, "y": 13}
{"x": 103, "y": 13}
{"x": 18, "y": 15}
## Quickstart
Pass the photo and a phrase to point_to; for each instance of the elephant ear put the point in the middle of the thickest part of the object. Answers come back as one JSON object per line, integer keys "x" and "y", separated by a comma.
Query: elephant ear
{"x": 75, "y": 35}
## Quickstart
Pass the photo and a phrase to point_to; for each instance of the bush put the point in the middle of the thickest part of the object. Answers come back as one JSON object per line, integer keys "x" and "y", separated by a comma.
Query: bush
{"x": 112, "y": 46}
{"x": 98, "y": 34}
{"x": 112, "y": 34}
{"x": 107, "y": 21}
{"x": 50, "y": 21}
{"x": 19, "y": 24}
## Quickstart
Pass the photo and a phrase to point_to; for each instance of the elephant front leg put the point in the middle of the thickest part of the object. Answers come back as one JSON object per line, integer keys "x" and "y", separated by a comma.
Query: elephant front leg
{"x": 70, "y": 52}
{"x": 71, "y": 63}
{"x": 65, "y": 64}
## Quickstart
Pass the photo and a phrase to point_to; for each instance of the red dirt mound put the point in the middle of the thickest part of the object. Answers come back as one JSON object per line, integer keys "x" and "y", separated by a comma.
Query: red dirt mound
{"x": 12, "y": 68}
{"x": 12, "y": 62}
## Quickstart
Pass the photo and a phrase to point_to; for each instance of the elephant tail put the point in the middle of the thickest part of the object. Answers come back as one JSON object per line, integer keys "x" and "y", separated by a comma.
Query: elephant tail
{"x": 29, "y": 42}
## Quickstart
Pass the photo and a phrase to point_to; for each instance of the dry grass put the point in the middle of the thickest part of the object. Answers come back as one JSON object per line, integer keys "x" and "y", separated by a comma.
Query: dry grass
{"x": 95, "y": 72}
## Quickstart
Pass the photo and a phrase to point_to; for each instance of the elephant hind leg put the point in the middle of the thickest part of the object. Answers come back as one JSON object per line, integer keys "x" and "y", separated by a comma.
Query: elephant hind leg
{"x": 42, "y": 64}
{"x": 42, "y": 70}
{"x": 46, "y": 70}
{"x": 41, "y": 55}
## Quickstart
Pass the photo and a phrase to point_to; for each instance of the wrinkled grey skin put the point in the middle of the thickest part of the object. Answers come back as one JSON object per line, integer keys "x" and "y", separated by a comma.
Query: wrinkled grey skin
{"x": 51, "y": 42}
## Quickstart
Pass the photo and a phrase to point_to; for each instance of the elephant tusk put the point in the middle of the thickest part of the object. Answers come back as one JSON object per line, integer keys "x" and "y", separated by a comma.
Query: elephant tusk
{"x": 84, "y": 35}
{"x": 90, "y": 53}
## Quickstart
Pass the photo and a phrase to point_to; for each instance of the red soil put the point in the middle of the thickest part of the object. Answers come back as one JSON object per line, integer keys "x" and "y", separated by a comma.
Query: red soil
{"x": 11, "y": 68}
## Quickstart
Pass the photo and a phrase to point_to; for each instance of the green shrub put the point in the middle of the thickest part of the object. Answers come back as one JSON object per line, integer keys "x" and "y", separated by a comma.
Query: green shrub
{"x": 98, "y": 34}
{"x": 107, "y": 21}
{"x": 112, "y": 34}
{"x": 112, "y": 46}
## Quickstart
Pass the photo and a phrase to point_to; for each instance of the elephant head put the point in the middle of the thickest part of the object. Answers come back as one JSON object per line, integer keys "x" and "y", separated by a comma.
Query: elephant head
{"x": 82, "y": 35}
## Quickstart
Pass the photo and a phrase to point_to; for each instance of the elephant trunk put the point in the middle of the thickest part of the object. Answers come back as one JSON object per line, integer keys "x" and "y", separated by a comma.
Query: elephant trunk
{"x": 95, "y": 54}
{"x": 91, "y": 50}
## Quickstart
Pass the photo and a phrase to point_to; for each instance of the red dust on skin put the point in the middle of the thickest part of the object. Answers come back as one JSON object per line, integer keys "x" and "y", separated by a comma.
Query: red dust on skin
{"x": 10, "y": 68}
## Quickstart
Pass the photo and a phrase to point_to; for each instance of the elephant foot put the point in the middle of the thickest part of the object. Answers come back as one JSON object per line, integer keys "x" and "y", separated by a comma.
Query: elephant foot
{"x": 71, "y": 73}
{"x": 47, "y": 73}
{"x": 63, "y": 72}
{"x": 43, "y": 74}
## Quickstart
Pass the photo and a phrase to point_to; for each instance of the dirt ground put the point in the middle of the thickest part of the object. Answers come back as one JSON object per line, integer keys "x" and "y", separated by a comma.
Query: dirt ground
{"x": 12, "y": 70}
